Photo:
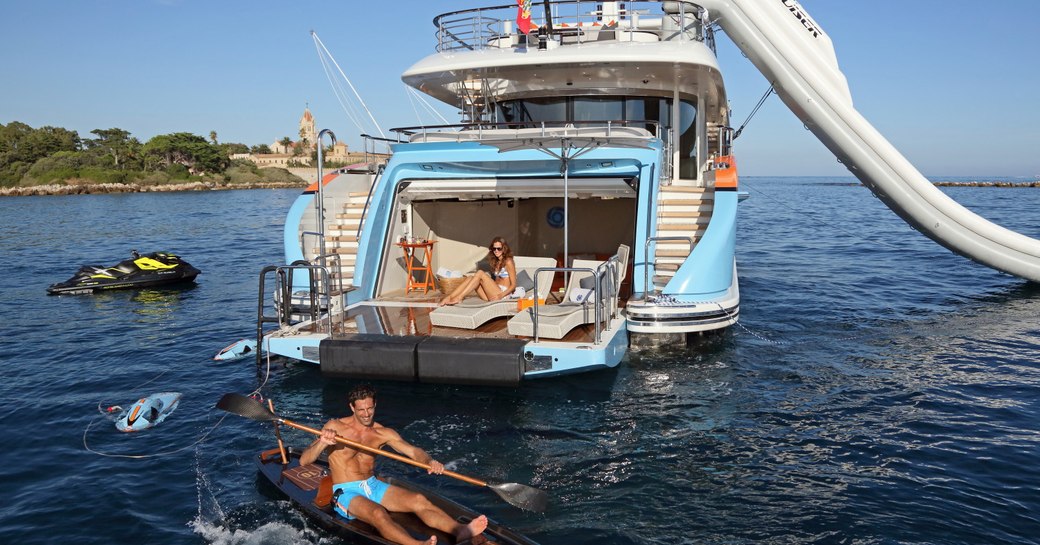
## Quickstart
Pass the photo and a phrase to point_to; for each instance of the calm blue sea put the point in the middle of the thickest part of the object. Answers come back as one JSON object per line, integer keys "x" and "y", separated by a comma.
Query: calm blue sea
{"x": 878, "y": 389}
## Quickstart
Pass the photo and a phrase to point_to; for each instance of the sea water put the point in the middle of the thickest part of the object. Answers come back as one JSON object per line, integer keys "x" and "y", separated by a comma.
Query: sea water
{"x": 878, "y": 389}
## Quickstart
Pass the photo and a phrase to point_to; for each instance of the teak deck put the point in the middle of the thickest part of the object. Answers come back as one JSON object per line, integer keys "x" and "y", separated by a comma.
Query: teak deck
{"x": 403, "y": 314}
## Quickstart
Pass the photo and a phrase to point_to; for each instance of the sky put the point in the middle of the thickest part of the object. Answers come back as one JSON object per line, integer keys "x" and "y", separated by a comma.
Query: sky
{"x": 952, "y": 84}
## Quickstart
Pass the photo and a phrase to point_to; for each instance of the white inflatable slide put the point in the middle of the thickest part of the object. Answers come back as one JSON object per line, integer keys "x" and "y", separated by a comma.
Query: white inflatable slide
{"x": 791, "y": 50}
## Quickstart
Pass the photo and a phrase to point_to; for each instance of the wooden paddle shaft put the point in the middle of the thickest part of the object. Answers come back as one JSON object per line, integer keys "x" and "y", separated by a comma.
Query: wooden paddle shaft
{"x": 278, "y": 435}
{"x": 378, "y": 452}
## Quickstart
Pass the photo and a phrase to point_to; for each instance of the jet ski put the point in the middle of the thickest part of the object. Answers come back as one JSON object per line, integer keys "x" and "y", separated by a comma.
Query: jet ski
{"x": 140, "y": 271}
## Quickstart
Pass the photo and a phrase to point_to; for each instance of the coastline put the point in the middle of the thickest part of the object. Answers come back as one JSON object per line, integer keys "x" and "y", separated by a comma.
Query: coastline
{"x": 96, "y": 189}
{"x": 1035, "y": 183}
{"x": 101, "y": 189}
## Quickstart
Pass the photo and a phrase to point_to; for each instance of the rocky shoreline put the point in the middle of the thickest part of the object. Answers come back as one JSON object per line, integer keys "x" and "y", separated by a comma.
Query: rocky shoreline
{"x": 1035, "y": 183}
{"x": 92, "y": 189}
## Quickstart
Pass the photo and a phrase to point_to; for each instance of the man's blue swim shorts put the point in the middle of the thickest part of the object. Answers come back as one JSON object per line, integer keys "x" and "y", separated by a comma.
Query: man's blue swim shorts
{"x": 371, "y": 488}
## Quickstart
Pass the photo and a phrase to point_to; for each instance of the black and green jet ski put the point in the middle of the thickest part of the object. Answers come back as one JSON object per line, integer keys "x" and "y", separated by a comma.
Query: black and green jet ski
{"x": 140, "y": 271}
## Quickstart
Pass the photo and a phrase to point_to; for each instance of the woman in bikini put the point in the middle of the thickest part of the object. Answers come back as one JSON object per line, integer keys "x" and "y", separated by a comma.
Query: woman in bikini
{"x": 493, "y": 286}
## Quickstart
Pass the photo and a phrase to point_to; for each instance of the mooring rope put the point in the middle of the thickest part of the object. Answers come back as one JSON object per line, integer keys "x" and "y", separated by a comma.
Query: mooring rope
{"x": 107, "y": 415}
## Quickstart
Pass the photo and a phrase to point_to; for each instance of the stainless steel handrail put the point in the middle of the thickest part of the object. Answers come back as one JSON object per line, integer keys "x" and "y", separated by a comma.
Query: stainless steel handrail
{"x": 598, "y": 303}
{"x": 364, "y": 211}
{"x": 571, "y": 21}
{"x": 321, "y": 189}
{"x": 318, "y": 257}
{"x": 647, "y": 261}
{"x": 477, "y": 128}
{"x": 303, "y": 243}
{"x": 283, "y": 296}
{"x": 284, "y": 272}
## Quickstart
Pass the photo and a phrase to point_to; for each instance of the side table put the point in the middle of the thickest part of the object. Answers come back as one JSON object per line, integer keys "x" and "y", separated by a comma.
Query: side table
{"x": 418, "y": 256}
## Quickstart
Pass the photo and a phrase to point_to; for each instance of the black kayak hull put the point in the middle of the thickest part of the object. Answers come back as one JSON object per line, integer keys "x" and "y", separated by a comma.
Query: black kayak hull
{"x": 300, "y": 484}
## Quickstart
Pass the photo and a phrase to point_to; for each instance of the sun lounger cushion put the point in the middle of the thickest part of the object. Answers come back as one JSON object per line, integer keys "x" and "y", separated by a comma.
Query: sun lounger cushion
{"x": 473, "y": 312}
{"x": 555, "y": 321}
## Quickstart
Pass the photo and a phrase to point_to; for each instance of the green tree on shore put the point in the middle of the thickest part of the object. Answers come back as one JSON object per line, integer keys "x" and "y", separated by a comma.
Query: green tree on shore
{"x": 183, "y": 148}
{"x": 53, "y": 155}
{"x": 21, "y": 146}
{"x": 232, "y": 148}
{"x": 118, "y": 143}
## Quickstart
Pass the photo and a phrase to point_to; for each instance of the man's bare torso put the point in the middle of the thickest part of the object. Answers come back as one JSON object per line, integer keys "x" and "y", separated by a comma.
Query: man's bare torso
{"x": 348, "y": 464}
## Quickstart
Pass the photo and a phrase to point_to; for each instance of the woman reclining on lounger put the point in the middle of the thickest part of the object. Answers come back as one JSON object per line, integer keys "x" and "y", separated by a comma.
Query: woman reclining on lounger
{"x": 499, "y": 284}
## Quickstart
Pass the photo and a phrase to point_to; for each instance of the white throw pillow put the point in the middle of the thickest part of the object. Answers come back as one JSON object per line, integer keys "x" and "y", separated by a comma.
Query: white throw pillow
{"x": 579, "y": 295}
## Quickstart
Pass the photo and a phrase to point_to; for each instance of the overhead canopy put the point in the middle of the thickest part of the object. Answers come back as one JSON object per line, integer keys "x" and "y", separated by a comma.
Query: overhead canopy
{"x": 549, "y": 142}
{"x": 493, "y": 188}
{"x": 547, "y": 138}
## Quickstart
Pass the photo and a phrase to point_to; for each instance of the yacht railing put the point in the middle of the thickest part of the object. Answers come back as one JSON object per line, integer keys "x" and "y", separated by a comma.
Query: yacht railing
{"x": 649, "y": 262}
{"x": 605, "y": 305}
{"x": 320, "y": 203}
{"x": 368, "y": 200}
{"x": 639, "y": 128}
{"x": 370, "y": 142}
{"x": 319, "y": 276}
{"x": 322, "y": 260}
{"x": 573, "y": 22}
{"x": 725, "y": 141}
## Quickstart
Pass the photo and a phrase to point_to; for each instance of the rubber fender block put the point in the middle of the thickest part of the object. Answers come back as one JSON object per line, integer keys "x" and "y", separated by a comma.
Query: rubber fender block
{"x": 370, "y": 356}
{"x": 495, "y": 362}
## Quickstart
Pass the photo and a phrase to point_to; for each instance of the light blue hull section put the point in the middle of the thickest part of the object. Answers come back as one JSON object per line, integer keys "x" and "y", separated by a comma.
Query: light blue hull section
{"x": 571, "y": 358}
{"x": 706, "y": 274}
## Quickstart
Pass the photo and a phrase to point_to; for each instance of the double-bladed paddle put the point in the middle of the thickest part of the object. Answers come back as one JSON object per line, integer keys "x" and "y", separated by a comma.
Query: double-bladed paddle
{"x": 522, "y": 496}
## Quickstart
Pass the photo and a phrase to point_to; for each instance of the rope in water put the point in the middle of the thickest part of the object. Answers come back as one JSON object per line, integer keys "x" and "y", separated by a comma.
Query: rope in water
{"x": 106, "y": 414}
{"x": 153, "y": 455}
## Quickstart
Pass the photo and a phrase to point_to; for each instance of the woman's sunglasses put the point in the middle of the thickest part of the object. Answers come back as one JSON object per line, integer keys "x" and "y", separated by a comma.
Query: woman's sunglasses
{"x": 496, "y": 248}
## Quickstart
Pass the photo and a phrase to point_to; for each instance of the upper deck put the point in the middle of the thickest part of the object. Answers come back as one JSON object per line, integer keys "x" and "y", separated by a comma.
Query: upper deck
{"x": 571, "y": 22}
{"x": 575, "y": 48}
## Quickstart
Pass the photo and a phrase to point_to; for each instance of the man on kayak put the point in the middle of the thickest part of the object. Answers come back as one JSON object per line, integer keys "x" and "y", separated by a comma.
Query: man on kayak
{"x": 356, "y": 491}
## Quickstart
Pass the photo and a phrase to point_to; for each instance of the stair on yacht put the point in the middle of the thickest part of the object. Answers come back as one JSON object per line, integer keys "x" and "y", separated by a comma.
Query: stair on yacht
{"x": 682, "y": 211}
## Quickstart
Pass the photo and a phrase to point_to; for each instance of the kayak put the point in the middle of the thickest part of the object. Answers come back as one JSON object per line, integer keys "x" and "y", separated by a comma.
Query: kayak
{"x": 301, "y": 484}
{"x": 148, "y": 411}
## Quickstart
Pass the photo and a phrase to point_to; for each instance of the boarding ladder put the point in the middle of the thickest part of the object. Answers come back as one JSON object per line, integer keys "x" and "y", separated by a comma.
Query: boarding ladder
{"x": 315, "y": 308}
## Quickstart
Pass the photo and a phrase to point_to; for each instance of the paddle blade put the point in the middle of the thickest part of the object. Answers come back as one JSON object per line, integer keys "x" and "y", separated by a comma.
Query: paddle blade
{"x": 523, "y": 496}
{"x": 245, "y": 406}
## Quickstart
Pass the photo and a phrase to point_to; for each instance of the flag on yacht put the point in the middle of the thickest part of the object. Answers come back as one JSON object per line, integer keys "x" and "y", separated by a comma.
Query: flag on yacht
{"x": 523, "y": 15}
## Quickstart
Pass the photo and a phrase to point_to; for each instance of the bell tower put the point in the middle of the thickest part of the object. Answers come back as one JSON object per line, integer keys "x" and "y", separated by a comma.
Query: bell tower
{"x": 307, "y": 130}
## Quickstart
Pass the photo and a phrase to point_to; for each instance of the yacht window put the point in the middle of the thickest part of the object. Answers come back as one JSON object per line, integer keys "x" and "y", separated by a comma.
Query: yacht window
{"x": 536, "y": 110}
{"x": 659, "y": 110}
{"x": 687, "y": 140}
{"x": 649, "y": 109}
{"x": 598, "y": 109}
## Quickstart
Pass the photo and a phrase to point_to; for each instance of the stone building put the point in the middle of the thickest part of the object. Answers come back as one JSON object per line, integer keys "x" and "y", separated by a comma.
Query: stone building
{"x": 285, "y": 156}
